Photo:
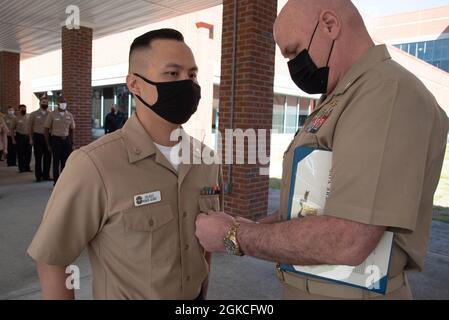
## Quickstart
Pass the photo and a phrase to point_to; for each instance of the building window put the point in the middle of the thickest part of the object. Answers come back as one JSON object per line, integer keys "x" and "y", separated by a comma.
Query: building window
{"x": 435, "y": 52}
{"x": 52, "y": 96}
{"x": 278, "y": 113}
{"x": 215, "y": 108}
{"x": 291, "y": 115}
{"x": 102, "y": 100}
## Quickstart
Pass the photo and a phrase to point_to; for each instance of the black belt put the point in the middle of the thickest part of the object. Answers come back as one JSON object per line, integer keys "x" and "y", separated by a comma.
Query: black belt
{"x": 62, "y": 138}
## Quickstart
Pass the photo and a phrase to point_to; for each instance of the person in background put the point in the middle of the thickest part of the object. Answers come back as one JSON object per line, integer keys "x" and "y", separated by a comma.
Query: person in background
{"x": 37, "y": 139}
{"x": 3, "y": 138}
{"x": 60, "y": 124}
{"x": 21, "y": 139}
{"x": 11, "y": 158}
{"x": 114, "y": 120}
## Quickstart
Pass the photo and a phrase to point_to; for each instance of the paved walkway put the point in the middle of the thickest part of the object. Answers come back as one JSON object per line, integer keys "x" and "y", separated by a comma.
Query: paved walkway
{"x": 22, "y": 203}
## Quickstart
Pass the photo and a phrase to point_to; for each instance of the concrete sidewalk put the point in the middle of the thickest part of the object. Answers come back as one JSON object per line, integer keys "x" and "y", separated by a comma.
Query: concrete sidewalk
{"x": 22, "y": 203}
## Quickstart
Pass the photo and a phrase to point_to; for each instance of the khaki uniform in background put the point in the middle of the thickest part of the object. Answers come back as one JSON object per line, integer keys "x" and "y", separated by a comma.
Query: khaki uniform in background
{"x": 12, "y": 148}
{"x": 22, "y": 136}
{"x": 20, "y": 124}
{"x": 138, "y": 249}
{"x": 3, "y": 137}
{"x": 59, "y": 124}
{"x": 37, "y": 121}
{"x": 388, "y": 137}
{"x": 41, "y": 154}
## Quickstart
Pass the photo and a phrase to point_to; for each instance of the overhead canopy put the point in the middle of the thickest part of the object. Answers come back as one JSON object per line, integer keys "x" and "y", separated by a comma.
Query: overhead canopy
{"x": 33, "y": 27}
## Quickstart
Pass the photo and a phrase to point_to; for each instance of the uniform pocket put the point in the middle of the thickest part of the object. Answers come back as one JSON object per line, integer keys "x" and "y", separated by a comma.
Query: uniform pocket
{"x": 147, "y": 218}
{"x": 209, "y": 203}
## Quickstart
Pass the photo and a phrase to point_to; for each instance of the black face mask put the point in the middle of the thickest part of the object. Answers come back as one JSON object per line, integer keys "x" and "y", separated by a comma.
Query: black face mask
{"x": 44, "y": 106}
{"x": 177, "y": 100}
{"x": 306, "y": 75}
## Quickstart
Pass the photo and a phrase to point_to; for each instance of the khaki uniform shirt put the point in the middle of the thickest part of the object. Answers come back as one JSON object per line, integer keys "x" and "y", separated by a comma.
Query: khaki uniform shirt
{"x": 37, "y": 121}
{"x": 20, "y": 124}
{"x": 9, "y": 120}
{"x": 141, "y": 245}
{"x": 388, "y": 138}
{"x": 3, "y": 135}
{"x": 59, "y": 125}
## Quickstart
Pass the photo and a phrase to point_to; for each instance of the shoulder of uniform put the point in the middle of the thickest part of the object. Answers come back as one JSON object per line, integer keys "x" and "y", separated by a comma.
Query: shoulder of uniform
{"x": 108, "y": 141}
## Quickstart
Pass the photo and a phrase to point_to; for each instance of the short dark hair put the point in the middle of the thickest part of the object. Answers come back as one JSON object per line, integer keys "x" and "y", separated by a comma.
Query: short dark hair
{"x": 22, "y": 106}
{"x": 145, "y": 40}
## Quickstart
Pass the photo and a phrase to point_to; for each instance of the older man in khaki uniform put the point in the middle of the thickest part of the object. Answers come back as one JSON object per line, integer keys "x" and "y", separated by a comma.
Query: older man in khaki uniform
{"x": 388, "y": 138}
{"x": 42, "y": 155}
{"x": 128, "y": 198}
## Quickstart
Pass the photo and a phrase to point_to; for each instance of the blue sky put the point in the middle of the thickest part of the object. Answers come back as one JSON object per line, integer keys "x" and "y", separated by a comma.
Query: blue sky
{"x": 377, "y": 8}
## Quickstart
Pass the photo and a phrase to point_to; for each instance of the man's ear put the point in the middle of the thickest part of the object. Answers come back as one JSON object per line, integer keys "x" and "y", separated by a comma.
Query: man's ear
{"x": 131, "y": 82}
{"x": 330, "y": 24}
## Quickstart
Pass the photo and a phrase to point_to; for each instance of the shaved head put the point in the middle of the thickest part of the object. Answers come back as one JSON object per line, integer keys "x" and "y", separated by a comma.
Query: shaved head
{"x": 338, "y": 21}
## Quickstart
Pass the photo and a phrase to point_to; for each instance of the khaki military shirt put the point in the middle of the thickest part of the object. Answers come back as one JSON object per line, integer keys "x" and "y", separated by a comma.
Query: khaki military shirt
{"x": 59, "y": 125}
{"x": 37, "y": 121}
{"x": 9, "y": 120}
{"x": 136, "y": 214}
{"x": 388, "y": 138}
{"x": 20, "y": 124}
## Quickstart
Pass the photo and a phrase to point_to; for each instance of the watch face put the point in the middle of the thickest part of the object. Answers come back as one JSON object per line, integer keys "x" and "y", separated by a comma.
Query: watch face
{"x": 229, "y": 246}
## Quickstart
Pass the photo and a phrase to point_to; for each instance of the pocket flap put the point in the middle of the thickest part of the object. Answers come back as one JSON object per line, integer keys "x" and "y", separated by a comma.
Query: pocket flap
{"x": 209, "y": 203}
{"x": 147, "y": 218}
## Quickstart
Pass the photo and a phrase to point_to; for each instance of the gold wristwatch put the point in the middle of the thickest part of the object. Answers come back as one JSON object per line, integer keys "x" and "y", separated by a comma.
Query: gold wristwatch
{"x": 231, "y": 243}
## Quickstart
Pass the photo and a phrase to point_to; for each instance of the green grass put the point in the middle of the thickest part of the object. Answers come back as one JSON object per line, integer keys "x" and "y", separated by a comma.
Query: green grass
{"x": 441, "y": 214}
{"x": 275, "y": 183}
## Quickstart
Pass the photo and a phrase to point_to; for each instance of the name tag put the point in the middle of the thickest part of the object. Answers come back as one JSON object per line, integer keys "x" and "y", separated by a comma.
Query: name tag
{"x": 57, "y": 119}
{"x": 147, "y": 198}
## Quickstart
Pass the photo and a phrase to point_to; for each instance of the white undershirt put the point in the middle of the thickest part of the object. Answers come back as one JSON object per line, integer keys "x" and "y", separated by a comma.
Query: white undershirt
{"x": 167, "y": 151}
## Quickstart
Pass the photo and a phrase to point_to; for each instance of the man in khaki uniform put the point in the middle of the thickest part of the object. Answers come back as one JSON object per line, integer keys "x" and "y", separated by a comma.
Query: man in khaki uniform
{"x": 20, "y": 133}
{"x": 128, "y": 199}
{"x": 12, "y": 151}
{"x": 60, "y": 124}
{"x": 388, "y": 138}
{"x": 37, "y": 139}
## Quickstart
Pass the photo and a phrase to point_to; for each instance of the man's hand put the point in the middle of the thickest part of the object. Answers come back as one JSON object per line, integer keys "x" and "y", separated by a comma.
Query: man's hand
{"x": 212, "y": 229}
{"x": 31, "y": 142}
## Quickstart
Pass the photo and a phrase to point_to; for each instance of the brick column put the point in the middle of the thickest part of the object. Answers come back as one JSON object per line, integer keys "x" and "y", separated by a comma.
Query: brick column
{"x": 9, "y": 80}
{"x": 77, "y": 80}
{"x": 253, "y": 101}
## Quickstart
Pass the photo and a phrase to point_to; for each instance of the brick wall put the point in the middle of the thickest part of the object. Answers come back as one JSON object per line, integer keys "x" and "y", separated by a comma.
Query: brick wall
{"x": 9, "y": 80}
{"x": 77, "y": 80}
{"x": 255, "y": 57}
